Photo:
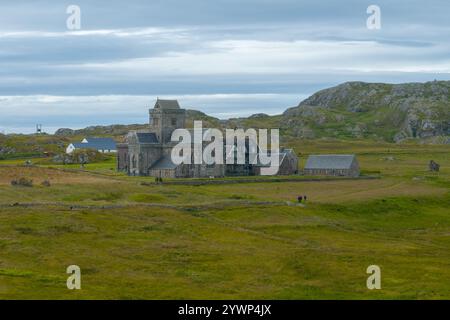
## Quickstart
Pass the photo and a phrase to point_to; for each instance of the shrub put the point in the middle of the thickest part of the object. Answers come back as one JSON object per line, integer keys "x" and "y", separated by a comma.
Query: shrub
{"x": 82, "y": 156}
{"x": 88, "y": 156}
{"x": 23, "y": 182}
{"x": 46, "y": 183}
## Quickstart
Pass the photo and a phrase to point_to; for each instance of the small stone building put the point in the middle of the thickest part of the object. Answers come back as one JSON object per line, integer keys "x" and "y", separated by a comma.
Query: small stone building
{"x": 288, "y": 163}
{"x": 332, "y": 165}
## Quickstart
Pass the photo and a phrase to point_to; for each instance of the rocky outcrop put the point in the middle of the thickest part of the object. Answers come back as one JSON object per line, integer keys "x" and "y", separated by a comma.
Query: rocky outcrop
{"x": 110, "y": 130}
{"x": 389, "y": 111}
{"x": 7, "y": 150}
{"x": 64, "y": 132}
{"x": 258, "y": 116}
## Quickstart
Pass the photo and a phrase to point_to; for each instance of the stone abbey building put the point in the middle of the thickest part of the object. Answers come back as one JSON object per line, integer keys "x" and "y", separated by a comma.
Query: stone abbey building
{"x": 148, "y": 153}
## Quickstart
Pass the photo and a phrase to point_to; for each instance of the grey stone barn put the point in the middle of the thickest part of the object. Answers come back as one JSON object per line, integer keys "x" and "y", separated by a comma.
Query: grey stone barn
{"x": 148, "y": 152}
{"x": 332, "y": 165}
{"x": 288, "y": 163}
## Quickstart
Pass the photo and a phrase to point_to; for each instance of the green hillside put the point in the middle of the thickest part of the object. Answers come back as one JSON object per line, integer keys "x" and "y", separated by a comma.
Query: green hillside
{"x": 374, "y": 110}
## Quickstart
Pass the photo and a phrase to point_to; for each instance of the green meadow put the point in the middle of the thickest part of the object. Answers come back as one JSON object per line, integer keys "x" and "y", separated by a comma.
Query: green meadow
{"x": 134, "y": 239}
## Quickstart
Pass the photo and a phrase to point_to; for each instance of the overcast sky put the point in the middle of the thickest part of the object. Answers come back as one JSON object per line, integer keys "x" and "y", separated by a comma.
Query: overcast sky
{"x": 227, "y": 58}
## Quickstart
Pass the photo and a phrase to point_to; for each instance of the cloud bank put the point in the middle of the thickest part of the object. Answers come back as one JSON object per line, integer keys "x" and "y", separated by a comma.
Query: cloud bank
{"x": 226, "y": 58}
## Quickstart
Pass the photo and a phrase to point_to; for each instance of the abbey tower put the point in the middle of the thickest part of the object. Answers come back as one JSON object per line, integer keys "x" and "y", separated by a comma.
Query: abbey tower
{"x": 165, "y": 117}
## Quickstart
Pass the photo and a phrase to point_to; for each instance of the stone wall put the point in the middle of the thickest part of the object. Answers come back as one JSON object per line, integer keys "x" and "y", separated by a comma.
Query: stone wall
{"x": 122, "y": 157}
{"x": 289, "y": 165}
{"x": 149, "y": 155}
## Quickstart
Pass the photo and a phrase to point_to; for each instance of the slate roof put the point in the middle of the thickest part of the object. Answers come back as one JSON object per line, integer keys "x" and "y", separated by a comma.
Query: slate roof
{"x": 79, "y": 145}
{"x": 281, "y": 155}
{"x": 284, "y": 153}
{"x": 97, "y": 144}
{"x": 167, "y": 104}
{"x": 330, "y": 161}
{"x": 164, "y": 163}
{"x": 147, "y": 137}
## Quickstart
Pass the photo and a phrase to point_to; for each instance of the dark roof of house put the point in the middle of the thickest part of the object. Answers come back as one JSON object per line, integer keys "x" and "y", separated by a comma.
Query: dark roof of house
{"x": 167, "y": 104}
{"x": 285, "y": 152}
{"x": 330, "y": 161}
{"x": 147, "y": 137}
{"x": 164, "y": 163}
{"x": 96, "y": 143}
{"x": 281, "y": 156}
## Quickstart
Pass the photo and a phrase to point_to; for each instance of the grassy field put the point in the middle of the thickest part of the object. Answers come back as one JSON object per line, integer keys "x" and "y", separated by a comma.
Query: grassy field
{"x": 247, "y": 240}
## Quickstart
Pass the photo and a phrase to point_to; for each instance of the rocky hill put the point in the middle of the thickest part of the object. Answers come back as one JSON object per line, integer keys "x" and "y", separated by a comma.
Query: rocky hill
{"x": 99, "y": 131}
{"x": 391, "y": 112}
{"x": 373, "y": 110}
{"x": 120, "y": 130}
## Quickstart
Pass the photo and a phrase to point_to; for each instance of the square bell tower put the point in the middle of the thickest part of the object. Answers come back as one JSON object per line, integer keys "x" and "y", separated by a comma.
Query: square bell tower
{"x": 165, "y": 117}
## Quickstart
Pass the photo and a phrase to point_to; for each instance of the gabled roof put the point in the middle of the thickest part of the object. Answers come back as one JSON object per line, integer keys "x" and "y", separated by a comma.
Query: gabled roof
{"x": 147, "y": 137}
{"x": 330, "y": 161}
{"x": 281, "y": 156}
{"x": 164, "y": 163}
{"x": 167, "y": 104}
{"x": 96, "y": 143}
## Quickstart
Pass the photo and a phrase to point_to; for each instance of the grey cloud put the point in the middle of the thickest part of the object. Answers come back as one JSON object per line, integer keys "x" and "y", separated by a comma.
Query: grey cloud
{"x": 287, "y": 48}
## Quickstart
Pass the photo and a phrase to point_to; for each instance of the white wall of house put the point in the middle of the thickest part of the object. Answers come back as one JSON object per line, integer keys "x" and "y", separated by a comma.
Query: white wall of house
{"x": 70, "y": 149}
